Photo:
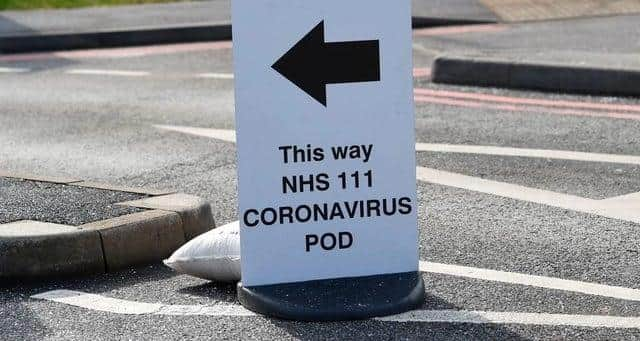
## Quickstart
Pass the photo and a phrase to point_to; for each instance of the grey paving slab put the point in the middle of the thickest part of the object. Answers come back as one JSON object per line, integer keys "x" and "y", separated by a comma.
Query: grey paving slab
{"x": 576, "y": 56}
{"x": 525, "y": 10}
{"x": 471, "y": 10}
{"x": 57, "y": 203}
{"x": 99, "y": 27}
{"x": 96, "y": 19}
{"x": 15, "y": 23}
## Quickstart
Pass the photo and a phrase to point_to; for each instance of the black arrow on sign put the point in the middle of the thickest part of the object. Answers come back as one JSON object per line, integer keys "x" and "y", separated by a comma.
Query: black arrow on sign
{"x": 312, "y": 63}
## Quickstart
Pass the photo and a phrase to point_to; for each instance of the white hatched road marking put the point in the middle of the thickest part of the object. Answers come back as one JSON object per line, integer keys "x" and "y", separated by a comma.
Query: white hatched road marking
{"x": 623, "y": 208}
{"x": 218, "y": 134}
{"x": 230, "y": 136}
{"x": 118, "y": 306}
{"x": 610, "y": 208}
{"x": 108, "y": 72}
{"x": 125, "y": 307}
{"x": 532, "y": 280}
{"x": 492, "y": 317}
{"x": 533, "y": 153}
{"x": 13, "y": 70}
{"x": 216, "y": 75}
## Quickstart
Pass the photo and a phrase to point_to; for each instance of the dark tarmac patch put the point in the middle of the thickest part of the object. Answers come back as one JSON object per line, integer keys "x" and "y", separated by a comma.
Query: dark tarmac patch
{"x": 60, "y": 204}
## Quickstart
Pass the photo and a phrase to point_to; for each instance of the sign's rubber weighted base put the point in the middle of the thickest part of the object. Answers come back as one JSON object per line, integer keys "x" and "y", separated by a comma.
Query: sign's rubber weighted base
{"x": 337, "y": 299}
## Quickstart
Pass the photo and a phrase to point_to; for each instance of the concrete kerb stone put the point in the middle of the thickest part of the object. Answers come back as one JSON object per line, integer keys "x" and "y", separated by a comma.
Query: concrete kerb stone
{"x": 138, "y": 238}
{"x": 424, "y": 22}
{"x": 103, "y": 39}
{"x": 40, "y": 178}
{"x": 146, "y": 191}
{"x": 31, "y": 249}
{"x": 492, "y": 72}
{"x": 140, "y": 36}
{"x": 195, "y": 212}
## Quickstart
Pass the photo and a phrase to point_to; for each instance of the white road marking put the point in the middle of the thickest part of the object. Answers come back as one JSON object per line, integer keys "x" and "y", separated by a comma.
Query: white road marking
{"x": 532, "y": 280}
{"x": 491, "y": 317}
{"x": 605, "y": 208}
{"x": 98, "y": 302}
{"x": 625, "y": 203}
{"x": 623, "y": 208}
{"x": 125, "y": 307}
{"x": 108, "y": 72}
{"x": 230, "y": 136}
{"x": 218, "y": 134}
{"x": 216, "y": 75}
{"x": 13, "y": 70}
{"x": 533, "y": 153}
{"x": 626, "y": 197}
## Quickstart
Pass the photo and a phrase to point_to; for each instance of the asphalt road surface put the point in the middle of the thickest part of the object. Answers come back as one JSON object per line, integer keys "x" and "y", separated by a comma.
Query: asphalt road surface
{"x": 547, "y": 219}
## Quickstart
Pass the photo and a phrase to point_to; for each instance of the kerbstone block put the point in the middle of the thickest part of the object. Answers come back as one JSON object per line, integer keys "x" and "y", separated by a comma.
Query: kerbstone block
{"x": 195, "y": 212}
{"x": 139, "y": 238}
{"x": 33, "y": 249}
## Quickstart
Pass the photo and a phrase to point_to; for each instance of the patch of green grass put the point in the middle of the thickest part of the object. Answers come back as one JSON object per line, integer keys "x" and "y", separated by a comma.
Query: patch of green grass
{"x": 34, "y": 4}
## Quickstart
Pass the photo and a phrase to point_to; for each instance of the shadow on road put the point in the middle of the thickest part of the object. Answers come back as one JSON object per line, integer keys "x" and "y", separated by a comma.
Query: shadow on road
{"x": 368, "y": 329}
{"x": 91, "y": 284}
{"x": 223, "y": 292}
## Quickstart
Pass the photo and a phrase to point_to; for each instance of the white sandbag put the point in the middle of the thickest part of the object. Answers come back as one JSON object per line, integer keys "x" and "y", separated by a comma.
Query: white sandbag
{"x": 214, "y": 255}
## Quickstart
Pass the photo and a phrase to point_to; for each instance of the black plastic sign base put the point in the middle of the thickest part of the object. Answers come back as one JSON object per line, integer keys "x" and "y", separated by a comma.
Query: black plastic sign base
{"x": 339, "y": 299}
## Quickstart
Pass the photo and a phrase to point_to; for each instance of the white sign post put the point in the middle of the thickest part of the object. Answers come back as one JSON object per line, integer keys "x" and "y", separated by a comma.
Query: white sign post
{"x": 326, "y": 158}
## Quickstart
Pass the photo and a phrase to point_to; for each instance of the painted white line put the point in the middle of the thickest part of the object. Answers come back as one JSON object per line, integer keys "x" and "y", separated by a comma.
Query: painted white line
{"x": 218, "y": 134}
{"x": 108, "y": 72}
{"x": 99, "y": 303}
{"x": 628, "y": 203}
{"x": 629, "y": 210}
{"x": 13, "y": 70}
{"x": 216, "y": 75}
{"x": 609, "y": 209}
{"x": 532, "y": 280}
{"x": 633, "y": 197}
{"x": 230, "y": 136}
{"x": 533, "y": 153}
{"x": 595, "y": 289}
{"x": 491, "y": 317}
{"x": 125, "y": 307}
